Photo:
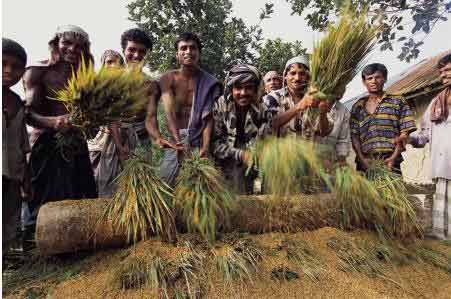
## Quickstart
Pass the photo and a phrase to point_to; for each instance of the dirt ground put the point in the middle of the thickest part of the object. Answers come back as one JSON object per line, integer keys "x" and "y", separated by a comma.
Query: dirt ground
{"x": 272, "y": 275}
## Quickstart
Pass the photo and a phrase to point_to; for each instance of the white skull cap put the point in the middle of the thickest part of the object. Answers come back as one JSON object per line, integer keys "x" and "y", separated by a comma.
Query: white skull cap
{"x": 73, "y": 29}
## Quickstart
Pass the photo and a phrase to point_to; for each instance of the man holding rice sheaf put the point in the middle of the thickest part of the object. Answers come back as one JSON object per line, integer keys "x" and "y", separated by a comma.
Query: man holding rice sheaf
{"x": 376, "y": 120}
{"x": 435, "y": 128}
{"x": 285, "y": 108}
{"x": 238, "y": 122}
{"x": 54, "y": 176}
{"x": 188, "y": 94}
{"x": 129, "y": 134}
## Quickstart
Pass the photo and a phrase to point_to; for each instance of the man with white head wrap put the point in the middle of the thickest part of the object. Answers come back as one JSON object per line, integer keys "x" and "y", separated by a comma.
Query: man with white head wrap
{"x": 238, "y": 122}
{"x": 285, "y": 107}
{"x": 55, "y": 177}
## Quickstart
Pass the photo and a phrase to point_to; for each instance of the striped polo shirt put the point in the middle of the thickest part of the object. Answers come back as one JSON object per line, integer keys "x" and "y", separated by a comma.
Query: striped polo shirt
{"x": 376, "y": 131}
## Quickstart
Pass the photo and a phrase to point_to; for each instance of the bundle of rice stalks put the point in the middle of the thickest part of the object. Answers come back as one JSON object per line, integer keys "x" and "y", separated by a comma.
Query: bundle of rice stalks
{"x": 238, "y": 261}
{"x": 435, "y": 258}
{"x": 202, "y": 197}
{"x": 135, "y": 273}
{"x": 94, "y": 99}
{"x": 353, "y": 258}
{"x": 381, "y": 203}
{"x": 399, "y": 212}
{"x": 305, "y": 257}
{"x": 142, "y": 203}
{"x": 340, "y": 54}
{"x": 290, "y": 165}
{"x": 189, "y": 270}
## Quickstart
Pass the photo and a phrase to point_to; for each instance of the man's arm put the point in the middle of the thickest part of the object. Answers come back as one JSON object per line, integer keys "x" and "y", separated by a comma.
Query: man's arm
{"x": 34, "y": 93}
{"x": 152, "y": 118}
{"x": 406, "y": 126}
{"x": 326, "y": 124}
{"x": 169, "y": 104}
{"x": 355, "y": 139}
{"x": 222, "y": 148}
{"x": 124, "y": 150}
{"x": 206, "y": 136}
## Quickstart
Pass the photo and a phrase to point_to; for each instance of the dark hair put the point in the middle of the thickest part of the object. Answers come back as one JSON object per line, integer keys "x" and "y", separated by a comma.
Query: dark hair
{"x": 372, "y": 68}
{"x": 186, "y": 36}
{"x": 55, "y": 54}
{"x": 444, "y": 61}
{"x": 136, "y": 35}
{"x": 13, "y": 48}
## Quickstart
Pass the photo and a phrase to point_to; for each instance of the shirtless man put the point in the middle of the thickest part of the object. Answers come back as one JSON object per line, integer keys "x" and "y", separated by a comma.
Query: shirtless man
{"x": 188, "y": 94}
{"x": 55, "y": 177}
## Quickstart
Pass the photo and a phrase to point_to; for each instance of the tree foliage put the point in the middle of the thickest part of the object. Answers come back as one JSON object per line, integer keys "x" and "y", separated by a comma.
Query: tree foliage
{"x": 226, "y": 39}
{"x": 275, "y": 53}
{"x": 392, "y": 15}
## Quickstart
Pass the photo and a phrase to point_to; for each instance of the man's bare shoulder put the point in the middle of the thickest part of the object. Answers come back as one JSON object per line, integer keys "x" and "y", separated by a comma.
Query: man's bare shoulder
{"x": 34, "y": 74}
{"x": 168, "y": 79}
{"x": 169, "y": 75}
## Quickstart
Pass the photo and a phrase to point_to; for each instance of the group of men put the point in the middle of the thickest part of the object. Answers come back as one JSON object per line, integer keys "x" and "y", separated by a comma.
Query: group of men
{"x": 221, "y": 121}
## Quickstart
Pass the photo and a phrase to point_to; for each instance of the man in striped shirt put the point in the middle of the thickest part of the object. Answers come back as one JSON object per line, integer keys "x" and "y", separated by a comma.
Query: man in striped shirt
{"x": 377, "y": 119}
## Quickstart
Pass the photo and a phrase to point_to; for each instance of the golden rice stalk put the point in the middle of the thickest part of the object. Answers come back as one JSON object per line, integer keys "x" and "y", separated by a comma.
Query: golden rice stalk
{"x": 202, "y": 197}
{"x": 290, "y": 165}
{"x": 135, "y": 273}
{"x": 340, "y": 54}
{"x": 237, "y": 261}
{"x": 94, "y": 99}
{"x": 380, "y": 203}
{"x": 400, "y": 214}
{"x": 304, "y": 256}
{"x": 142, "y": 204}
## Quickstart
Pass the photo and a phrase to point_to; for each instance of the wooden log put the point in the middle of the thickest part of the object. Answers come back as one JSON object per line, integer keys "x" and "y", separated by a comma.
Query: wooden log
{"x": 73, "y": 225}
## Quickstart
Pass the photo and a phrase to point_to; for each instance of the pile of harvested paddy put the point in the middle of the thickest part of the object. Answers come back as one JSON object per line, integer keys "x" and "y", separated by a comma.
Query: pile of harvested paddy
{"x": 276, "y": 275}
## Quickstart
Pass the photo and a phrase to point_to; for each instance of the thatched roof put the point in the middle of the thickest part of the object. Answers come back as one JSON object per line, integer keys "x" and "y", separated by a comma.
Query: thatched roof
{"x": 420, "y": 79}
{"x": 417, "y": 80}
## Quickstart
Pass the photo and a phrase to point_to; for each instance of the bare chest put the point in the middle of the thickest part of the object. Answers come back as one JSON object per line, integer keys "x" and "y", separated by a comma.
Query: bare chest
{"x": 183, "y": 91}
{"x": 54, "y": 81}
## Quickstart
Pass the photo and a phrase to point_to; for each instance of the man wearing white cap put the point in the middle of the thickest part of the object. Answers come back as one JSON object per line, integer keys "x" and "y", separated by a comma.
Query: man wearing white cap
{"x": 54, "y": 176}
{"x": 285, "y": 107}
{"x": 272, "y": 81}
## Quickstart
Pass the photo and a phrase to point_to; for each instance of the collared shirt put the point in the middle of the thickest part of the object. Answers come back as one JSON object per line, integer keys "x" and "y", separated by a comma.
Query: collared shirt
{"x": 377, "y": 131}
{"x": 280, "y": 101}
{"x": 439, "y": 136}
{"x": 339, "y": 138}
{"x": 227, "y": 143}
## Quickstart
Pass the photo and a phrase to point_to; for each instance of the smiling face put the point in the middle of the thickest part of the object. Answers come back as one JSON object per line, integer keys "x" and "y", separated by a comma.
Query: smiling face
{"x": 134, "y": 52}
{"x": 297, "y": 78}
{"x": 70, "y": 48}
{"x": 374, "y": 83}
{"x": 244, "y": 94}
{"x": 188, "y": 53}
